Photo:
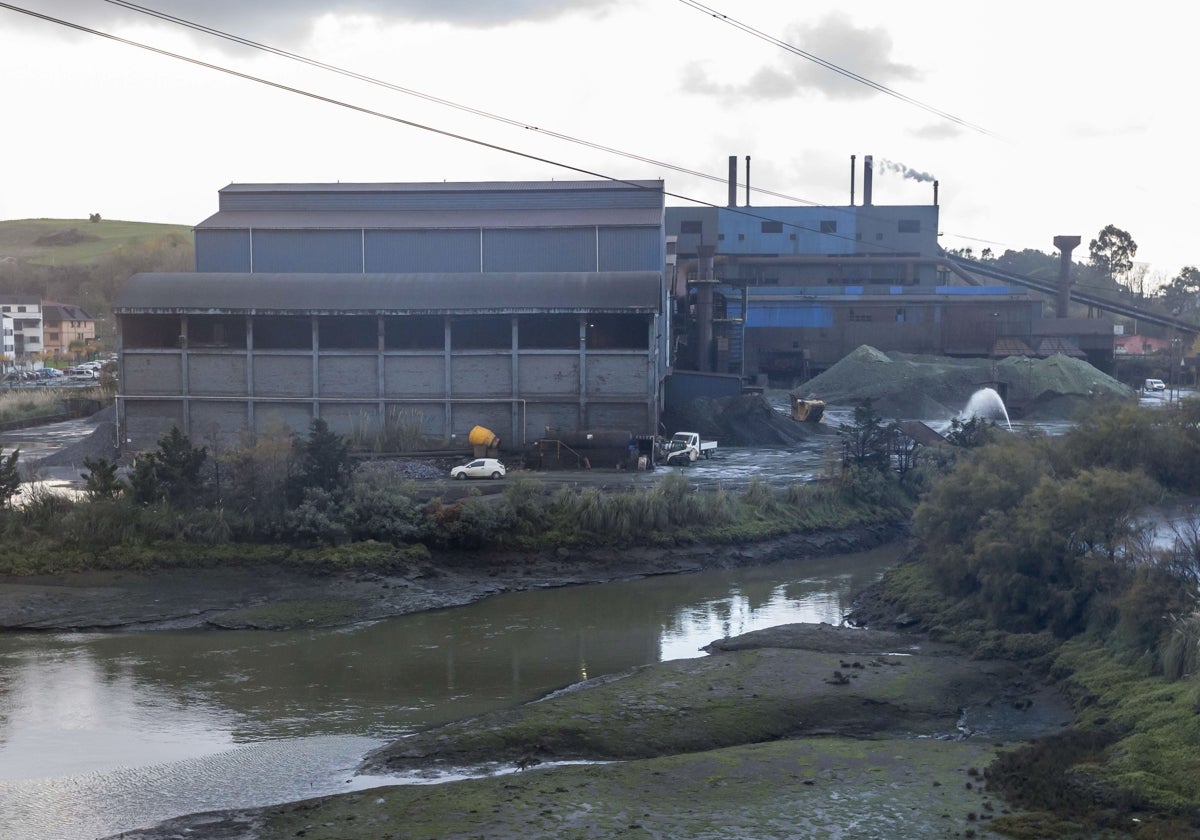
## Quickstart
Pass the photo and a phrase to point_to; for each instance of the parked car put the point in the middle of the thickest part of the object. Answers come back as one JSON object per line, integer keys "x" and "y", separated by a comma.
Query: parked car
{"x": 1154, "y": 385}
{"x": 479, "y": 468}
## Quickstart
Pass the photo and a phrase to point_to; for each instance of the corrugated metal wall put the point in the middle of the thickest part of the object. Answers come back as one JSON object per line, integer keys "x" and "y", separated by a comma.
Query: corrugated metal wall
{"x": 223, "y": 250}
{"x": 308, "y": 251}
{"x": 416, "y": 251}
{"x": 631, "y": 249}
{"x": 567, "y": 249}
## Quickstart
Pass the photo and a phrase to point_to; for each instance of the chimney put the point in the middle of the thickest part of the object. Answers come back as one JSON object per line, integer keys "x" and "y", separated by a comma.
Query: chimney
{"x": 733, "y": 180}
{"x": 852, "y": 157}
{"x": 747, "y": 180}
{"x": 868, "y": 175}
{"x": 935, "y": 193}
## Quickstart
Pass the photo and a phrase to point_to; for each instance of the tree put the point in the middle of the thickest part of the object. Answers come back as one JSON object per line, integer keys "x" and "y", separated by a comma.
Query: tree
{"x": 866, "y": 443}
{"x": 1112, "y": 252}
{"x": 101, "y": 480}
{"x": 172, "y": 474}
{"x": 1182, "y": 294}
{"x": 323, "y": 462}
{"x": 10, "y": 477}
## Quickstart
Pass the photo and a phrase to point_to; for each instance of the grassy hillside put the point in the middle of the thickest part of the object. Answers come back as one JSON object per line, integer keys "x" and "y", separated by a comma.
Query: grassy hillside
{"x": 76, "y": 241}
{"x": 85, "y": 263}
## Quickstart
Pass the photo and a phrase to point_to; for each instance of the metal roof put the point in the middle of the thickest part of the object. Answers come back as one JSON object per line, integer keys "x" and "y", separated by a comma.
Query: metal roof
{"x": 448, "y": 186}
{"x": 430, "y": 219}
{"x": 606, "y": 291}
{"x": 55, "y": 312}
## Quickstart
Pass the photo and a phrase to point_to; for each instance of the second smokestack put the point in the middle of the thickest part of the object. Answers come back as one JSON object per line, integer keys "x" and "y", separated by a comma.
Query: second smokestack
{"x": 868, "y": 173}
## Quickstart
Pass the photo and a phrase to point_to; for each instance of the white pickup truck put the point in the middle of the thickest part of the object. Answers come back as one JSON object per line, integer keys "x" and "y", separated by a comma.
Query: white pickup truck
{"x": 686, "y": 448}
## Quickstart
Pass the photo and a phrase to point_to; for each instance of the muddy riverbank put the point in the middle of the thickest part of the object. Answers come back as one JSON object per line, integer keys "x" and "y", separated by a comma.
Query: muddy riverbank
{"x": 803, "y": 730}
{"x": 256, "y": 596}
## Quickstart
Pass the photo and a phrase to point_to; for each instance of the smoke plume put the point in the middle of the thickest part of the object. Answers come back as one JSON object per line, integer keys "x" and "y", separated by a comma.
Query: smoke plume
{"x": 903, "y": 171}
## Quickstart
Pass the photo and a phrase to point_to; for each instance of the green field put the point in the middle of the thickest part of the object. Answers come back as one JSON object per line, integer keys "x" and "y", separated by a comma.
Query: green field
{"x": 76, "y": 241}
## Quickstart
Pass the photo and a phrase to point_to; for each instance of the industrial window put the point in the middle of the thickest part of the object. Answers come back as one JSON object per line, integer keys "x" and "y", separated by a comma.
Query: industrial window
{"x": 772, "y": 227}
{"x": 618, "y": 332}
{"x": 548, "y": 332}
{"x": 829, "y": 226}
{"x": 481, "y": 332}
{"x": 282, "y": 332}
{"x": 691, "y": 226}
{"x": 860, "y": 318}
{"x": 414, "y": 332}
{"x": 741, "y": 237}
{"x": 151, "y": 331}
{"x": 909, "y": 226}
{"x": 348, "y": 332}
{"x": 216, "y": 331}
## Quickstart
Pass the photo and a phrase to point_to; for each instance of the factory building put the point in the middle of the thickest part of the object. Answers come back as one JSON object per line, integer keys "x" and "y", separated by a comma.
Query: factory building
{"x": 522, "y": 307}
{"x": 788, "y": 291}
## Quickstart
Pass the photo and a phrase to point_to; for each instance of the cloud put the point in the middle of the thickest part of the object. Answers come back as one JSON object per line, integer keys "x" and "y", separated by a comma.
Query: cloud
{"x": 263, "y": 18}
{"x": 938, "y": 131}
{"x": 835, "y": 39}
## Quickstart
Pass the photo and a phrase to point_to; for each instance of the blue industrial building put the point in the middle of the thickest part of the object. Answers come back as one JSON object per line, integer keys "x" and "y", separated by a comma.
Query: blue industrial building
{"x": 788, "y": 291}
{"x": 523, "y": 307}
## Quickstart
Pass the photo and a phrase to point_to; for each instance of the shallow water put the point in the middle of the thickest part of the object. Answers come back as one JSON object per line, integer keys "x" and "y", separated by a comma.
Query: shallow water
{"x": 104, "y": 733}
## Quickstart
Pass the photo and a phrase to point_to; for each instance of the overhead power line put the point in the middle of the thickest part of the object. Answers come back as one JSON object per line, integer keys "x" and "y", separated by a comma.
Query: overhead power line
{"x": 829, "y": 65}
{"x": 449, "y": 103}
{"x": 744, "y": 211}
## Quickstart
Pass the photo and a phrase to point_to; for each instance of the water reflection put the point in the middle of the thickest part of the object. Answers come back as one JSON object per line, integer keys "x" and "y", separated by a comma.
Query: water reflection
{"x": 96, "y": 718}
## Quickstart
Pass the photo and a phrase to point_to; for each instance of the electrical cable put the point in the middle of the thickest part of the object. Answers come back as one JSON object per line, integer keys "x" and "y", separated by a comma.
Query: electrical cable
{"x": 238, "y": 39}
{"x": 743, "y": 211}
{"x": 829, "y": 65}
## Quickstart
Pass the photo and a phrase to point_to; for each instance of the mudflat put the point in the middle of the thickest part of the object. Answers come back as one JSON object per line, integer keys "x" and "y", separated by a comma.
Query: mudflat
{"x": 800, "y": 731}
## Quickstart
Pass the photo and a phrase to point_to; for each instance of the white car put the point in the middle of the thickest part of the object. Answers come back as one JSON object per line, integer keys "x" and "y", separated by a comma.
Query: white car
{"x": 479, "y": 468}
{"x": 1155, "y": 385}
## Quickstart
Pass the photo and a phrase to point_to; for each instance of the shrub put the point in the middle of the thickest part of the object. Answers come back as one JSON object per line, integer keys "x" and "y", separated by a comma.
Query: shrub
{"x": 380, "y": 509}
{"x": 322, "y": 462}
{"x": 10, "y": 476}
{"x": 1181, "y": 652}
{"x": 100, "y": 481}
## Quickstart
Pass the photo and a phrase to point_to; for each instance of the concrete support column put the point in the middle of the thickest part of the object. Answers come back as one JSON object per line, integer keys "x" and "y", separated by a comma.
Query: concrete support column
{"x": 250, "y": 424}
{"x": 516, "y": 433}
{"x": 447, "y": 378}
{"x": 316, "y": 366}
{"x": 184, "y": 364}
{"x": 583, "y": 395}
{"x": 1065, "y": 245}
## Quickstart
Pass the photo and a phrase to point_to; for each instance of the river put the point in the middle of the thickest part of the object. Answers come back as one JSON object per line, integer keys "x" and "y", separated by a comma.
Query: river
{"x": 105, "y": 733}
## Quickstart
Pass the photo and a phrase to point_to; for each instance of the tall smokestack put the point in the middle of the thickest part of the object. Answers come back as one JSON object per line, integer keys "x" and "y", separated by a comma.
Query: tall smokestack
{"x": 852, "y": 157}
{"x": 747, "y": 180}
{"x": 868, "y": 176}
{"x": 733, "y": 180}
{"x": 935, "y": 193}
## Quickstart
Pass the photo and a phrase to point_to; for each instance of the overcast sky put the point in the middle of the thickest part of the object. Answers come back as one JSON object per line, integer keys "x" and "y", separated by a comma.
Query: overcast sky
{"x": 1039, "y": 118}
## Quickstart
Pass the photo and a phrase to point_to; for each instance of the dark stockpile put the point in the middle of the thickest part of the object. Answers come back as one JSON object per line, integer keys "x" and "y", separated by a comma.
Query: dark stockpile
{"x": 745, "y": 420}
{"x": 934, "y": 387}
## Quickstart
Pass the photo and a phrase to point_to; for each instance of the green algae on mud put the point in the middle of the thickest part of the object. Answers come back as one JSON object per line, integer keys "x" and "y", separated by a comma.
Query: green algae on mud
{"x": 762, "y": 740}
{"x": 737, "y": 697}
{"x": 817, "y": 787}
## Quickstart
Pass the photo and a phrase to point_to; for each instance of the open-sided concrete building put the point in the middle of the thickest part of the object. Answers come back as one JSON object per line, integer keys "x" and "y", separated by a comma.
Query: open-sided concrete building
{"x": 517, "y": 306}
